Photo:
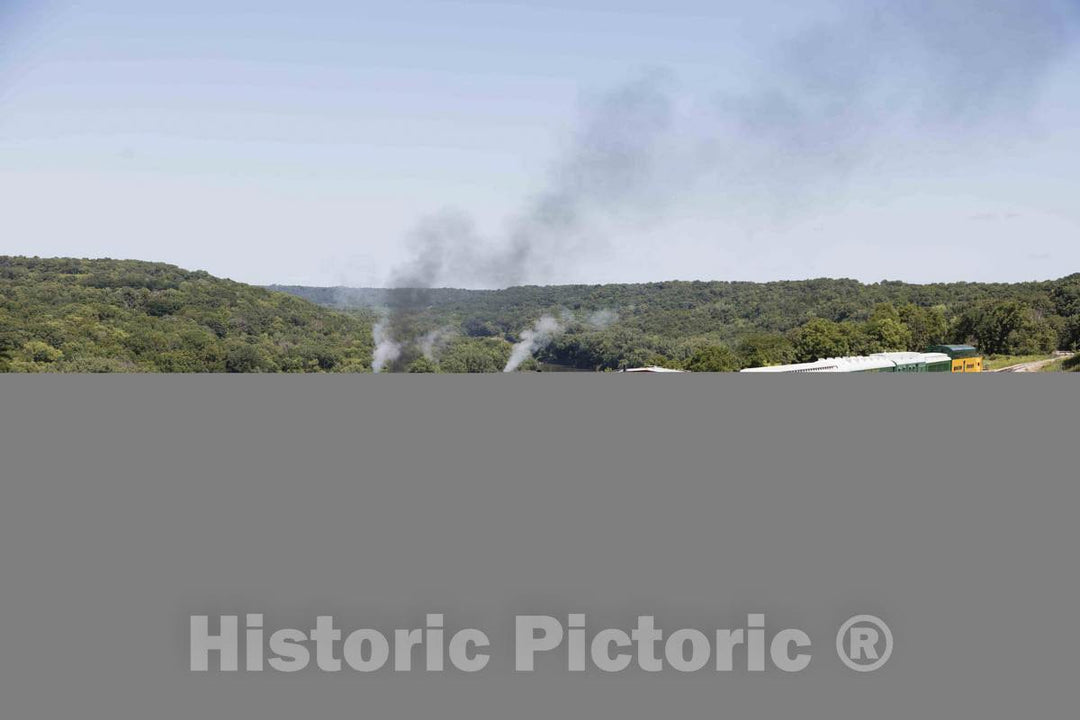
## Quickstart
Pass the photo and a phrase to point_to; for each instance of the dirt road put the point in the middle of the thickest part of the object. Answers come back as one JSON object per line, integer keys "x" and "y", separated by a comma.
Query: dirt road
{"x": 1033, "y": 366}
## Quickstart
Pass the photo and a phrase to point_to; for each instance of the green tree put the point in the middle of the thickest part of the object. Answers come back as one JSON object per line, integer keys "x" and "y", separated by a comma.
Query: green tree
{"x": 1007, "y": 328}
{"x": 40, "y": 352}
{"x": 715, "y": 358}
{"x": 928, "y": 325}
{"x": 245, "y": 357}
{"x": 9, "y": 342}
{"x": 820, "y": 338}
{"x": 475, "y": 355}
{"x": 764, "y": 349}
{"x": 1070, "y": 334}
{"x": 887, "y": 334}
{"x": 1037, "y": 335}
{"x": 885, "y": 331}
{"x": 422, "y": 365}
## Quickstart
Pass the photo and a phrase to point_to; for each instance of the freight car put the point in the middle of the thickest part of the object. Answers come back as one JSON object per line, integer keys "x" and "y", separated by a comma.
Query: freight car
{"x": 939, "y": 359}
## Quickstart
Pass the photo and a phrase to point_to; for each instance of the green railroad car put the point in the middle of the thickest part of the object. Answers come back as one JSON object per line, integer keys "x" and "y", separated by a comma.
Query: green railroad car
{"x": 905, "y": 362}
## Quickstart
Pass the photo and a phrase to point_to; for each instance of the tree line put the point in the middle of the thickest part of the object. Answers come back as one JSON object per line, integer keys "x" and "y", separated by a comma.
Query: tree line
{"x": 73, "y": 315}
{"x": 722, "y": 326}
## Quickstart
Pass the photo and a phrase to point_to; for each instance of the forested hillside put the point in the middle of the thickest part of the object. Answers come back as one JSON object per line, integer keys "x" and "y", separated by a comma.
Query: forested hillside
{"x": 69, "y": 315}
{"x": 726, "y": 326}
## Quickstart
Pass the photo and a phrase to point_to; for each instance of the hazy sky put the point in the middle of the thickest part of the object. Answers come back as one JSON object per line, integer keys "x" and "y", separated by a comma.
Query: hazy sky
{"x": 546, "y": 140}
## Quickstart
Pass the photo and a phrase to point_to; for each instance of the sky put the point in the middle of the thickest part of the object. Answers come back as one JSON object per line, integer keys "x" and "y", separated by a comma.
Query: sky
{"x": 481, "y": 144}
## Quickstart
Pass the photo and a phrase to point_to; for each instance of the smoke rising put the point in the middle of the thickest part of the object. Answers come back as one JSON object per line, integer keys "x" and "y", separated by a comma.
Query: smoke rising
{"x": 611, "y": 162}
{"x": 602, "y": 319}
{"x": 387, "y": 351}
{"x": 820, "y": 103}
{"x": 847, "y": 90}
{"x": 830, "y": 99}
{"x": 535, "y": 338}
{"x": 432, "y": 343}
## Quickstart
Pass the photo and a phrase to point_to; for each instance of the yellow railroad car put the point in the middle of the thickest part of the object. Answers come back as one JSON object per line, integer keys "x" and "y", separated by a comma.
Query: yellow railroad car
{"x": 965, "y": 358}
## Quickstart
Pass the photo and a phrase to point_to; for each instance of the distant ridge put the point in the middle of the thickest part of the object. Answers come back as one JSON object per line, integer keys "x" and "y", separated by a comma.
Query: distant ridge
{"x": 367, "y": 297}
{"x": 736, "y": 324}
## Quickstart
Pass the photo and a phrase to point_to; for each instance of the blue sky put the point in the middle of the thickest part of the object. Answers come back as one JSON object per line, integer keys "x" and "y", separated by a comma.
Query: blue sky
{"x": 307, "y": 142}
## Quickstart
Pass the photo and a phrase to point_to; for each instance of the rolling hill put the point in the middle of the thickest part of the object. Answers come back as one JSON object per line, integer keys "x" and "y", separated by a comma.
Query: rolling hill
{"x": 72, "y": 315}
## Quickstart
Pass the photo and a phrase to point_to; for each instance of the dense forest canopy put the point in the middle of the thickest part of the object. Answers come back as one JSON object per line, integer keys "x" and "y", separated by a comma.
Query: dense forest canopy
{"x": 69, "y": 315}
{"x": 729, "y": 325}
{"x": 72, "y": 315}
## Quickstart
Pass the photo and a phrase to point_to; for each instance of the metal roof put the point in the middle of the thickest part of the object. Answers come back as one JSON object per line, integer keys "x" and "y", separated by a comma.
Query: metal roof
{"x": 829, "y": 365}
{"x": 956, "y": 348}
{"x": 903, "y": 358}
{"x": 936, "y": 357}
{"x": 859, "y": 363}
{"x": 652, "y": 369}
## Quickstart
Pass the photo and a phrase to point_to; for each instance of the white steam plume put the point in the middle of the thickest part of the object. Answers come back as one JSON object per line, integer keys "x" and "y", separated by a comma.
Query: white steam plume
{"x": 386, "y": 350}
{"x": 601, "y": 319}
{"x": 432, "y": 343}
{"x": 533, "y": 339}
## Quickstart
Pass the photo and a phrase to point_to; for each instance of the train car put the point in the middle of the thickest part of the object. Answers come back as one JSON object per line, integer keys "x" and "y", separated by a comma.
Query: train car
{"x": 918, "y": 362}
{"x": 878, "y": 362}
{"x": 965, "y": 358}
{"x": 832, "y": 365}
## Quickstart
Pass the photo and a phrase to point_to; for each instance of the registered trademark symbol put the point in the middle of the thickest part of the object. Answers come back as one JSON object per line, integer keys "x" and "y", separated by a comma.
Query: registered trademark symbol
{"x": 864, "y": 643}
